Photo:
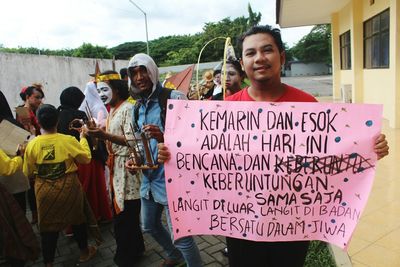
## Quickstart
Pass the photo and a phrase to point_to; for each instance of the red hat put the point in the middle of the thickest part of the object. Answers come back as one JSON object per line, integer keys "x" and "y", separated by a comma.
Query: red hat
{"x": 24, "y": 89}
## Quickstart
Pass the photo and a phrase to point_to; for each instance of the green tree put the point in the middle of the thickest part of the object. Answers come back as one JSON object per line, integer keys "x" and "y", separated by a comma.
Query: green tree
{"x": 315, "y": 46}
{"x": 188, "y": 52}
{"x": 88, "y": 50}
{"x": 288, "y": 52}
{"x": 160, "y": 48}
{"x": 127, "y": 50}
{"x": 254, "y": 17}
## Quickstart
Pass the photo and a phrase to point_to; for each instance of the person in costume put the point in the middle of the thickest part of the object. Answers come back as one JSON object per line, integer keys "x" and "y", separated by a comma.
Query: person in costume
{"x": 15, "y": 231}
{"x": 50, "y": 158}
{"x": 217, "y": 79}
{"x": 6, "y": 114}
{"x": 105, "y": 92}
{"x": 145, "y": 85}
{"x": 94, "y": 103}
{"x": 32, "y": 96}
{"x": 125, "y": 186}
{"x": 20, "y": 243}
{"x": 91, "y": 175}
{"x": 99, "y": 111}
{"x": 207, "y": 85}
{"x": 9, "y": 165}
{"x": 234, "y": 78}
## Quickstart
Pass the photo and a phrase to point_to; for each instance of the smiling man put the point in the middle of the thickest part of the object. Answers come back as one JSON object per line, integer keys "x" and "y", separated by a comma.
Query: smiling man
{"x": 262, "y": 58}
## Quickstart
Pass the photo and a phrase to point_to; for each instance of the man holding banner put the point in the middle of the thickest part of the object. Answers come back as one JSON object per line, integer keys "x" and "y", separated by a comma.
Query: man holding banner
{"x": 262, "y": 57}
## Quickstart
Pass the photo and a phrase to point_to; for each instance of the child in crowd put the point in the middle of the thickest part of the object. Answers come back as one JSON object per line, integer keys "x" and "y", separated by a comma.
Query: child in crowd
{"x": 60, "y": 199}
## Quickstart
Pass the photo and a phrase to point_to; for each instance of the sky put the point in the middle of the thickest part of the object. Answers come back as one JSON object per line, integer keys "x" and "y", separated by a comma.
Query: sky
{"x": 60, "y": 24}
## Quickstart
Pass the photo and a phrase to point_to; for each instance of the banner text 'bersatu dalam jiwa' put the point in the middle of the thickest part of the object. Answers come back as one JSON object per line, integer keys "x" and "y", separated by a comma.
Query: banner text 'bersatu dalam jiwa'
{"x": 270, "y": 171}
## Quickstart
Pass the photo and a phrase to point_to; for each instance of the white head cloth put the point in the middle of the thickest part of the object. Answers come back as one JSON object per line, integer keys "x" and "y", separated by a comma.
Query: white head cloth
{"x": 147, "y": 62}
{"x": 93, "y": 102}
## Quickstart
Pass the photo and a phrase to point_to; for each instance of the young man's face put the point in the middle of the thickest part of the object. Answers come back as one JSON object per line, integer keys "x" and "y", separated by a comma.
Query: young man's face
{"x": 233, "y": 79}
{"x": 140, "y": 79}
{"x": 105, "y": 92}
{"x": 261, "y": 58}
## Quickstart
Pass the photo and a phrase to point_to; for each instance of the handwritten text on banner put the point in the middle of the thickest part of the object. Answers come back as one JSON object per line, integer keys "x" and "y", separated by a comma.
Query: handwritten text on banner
{"x": 270, "y": 171}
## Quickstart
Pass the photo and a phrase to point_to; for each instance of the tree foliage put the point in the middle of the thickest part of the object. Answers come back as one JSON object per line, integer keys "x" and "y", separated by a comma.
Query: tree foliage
{"x": 288, "y": 52}
{"x": 254, "y": 17}
{"x": 92, "y": 51}
{"x": 127, "y": 50}
{"x": 181, "y": 44}
{"x": 315, "y": 46}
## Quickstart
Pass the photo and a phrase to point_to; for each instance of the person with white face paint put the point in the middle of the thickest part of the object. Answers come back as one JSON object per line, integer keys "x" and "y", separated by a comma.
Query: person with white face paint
{"x": 125, "y": 186}
{"x": 105, "y": 92}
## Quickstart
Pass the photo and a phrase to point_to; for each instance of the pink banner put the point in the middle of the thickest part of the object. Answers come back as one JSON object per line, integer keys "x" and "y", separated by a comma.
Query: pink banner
{"x": 270, "y": 171}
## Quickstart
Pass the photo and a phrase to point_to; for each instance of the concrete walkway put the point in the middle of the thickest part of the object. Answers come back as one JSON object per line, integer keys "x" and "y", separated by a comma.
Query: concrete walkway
{"x": 67, "y": 253}
{"x": 376, "y": 240}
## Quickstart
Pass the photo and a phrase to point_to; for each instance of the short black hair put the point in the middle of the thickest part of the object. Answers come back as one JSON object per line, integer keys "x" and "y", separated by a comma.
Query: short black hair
{"x": 71, "y": 97}
{"x": 47, "y": 116}
{"x": 268, "y": 29}
{"x": 120, "y": 86}
{"x": 123, "y": 72}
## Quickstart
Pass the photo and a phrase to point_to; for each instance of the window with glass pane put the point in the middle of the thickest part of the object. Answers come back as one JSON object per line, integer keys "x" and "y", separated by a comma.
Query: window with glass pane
{"x": 376, "y": 41}
{"x": 345, "y": 51}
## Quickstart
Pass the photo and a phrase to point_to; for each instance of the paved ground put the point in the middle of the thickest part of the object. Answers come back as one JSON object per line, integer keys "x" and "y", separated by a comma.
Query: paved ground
{"x": 67, "y": 253}
{"x": 316, "y": 85}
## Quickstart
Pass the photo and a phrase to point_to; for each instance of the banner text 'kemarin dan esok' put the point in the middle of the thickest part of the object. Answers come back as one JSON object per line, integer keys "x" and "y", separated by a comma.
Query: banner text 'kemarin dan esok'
{"x": 270, "y": 171}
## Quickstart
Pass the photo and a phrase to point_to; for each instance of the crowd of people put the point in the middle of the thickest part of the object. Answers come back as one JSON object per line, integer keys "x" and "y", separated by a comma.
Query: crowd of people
{"x": 82, "y": 173}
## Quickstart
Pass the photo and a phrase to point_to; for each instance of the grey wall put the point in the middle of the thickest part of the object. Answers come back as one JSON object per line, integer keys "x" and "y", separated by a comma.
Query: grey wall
{"x": 55, "y": 73}
{"x": 307, "y": 69}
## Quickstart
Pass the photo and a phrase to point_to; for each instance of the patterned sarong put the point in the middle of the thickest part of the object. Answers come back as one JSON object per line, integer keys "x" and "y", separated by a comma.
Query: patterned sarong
{"x": 61, "y": 202}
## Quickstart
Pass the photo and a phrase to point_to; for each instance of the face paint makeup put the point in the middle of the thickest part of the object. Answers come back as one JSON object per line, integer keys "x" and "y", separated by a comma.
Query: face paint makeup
{"x": 105, "y": 92}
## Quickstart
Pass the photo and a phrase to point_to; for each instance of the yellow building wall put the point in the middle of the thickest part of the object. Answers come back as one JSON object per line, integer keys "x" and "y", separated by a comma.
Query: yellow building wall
{"x": 395, "y": 50}
{"x": 372, "y": 10}
{"x": 340, "y": 23}
{"x": 379, "y": 86}
{"x": 336, "y": 73}
{"x": 345, "y": 17}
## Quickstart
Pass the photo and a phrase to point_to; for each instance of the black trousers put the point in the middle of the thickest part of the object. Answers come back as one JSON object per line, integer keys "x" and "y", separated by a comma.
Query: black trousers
{"x": 243, "y": 253}
{"x": 32, "y": 198}
{"x": 49, "y": 241}
{"x": 21, "y": 199}
{"x": 15, "y": 262}
{"x": 128, "y": 234}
